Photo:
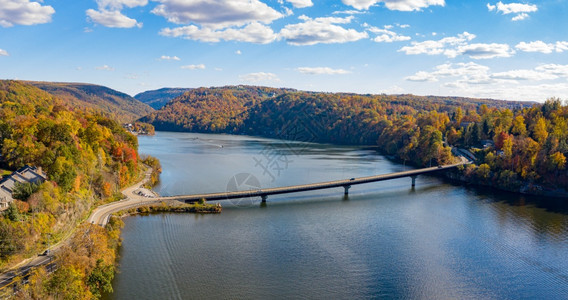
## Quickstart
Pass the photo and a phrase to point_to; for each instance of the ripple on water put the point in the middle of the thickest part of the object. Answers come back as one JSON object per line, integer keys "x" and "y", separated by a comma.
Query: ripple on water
{"x": 436, "y": 241}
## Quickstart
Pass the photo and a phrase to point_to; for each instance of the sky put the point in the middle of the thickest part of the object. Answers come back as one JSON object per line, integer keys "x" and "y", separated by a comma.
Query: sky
{"x": 484, "y": 49}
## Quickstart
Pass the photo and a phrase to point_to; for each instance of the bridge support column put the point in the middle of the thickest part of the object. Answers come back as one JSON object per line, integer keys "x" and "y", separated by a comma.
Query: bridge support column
{"x": 414, "y": 180}
{"x": 346, "y": 187}
{"x": 264, "y": 197}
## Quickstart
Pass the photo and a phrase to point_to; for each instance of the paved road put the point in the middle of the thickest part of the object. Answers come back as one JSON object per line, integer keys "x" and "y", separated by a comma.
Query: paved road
{"x": 7, "y": 278}
{"x": 99, "y": 216}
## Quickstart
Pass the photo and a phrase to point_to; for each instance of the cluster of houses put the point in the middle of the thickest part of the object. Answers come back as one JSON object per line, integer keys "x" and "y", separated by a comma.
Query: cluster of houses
{"x": 136, "y": 130}
{"x": 25, "y": 174}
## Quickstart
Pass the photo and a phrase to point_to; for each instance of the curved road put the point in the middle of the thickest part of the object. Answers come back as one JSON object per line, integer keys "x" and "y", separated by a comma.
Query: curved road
{"x": 101, "y": 214}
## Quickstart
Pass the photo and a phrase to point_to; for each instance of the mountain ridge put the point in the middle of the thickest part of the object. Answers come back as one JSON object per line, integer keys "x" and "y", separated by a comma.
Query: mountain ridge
{"x": 118, "y": 105}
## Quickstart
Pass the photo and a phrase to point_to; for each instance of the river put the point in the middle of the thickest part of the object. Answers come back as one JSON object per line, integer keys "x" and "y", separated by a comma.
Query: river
{"x": 386, "y": 240}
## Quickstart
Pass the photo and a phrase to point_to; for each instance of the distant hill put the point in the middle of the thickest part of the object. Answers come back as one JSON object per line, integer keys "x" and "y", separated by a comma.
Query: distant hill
{"x": 114, "y": 104}
{"x": 238, "y": 109}
{"x": 158, "y": 98}
{"x": 518, "y": 146}
{"x": 218, "y": 109}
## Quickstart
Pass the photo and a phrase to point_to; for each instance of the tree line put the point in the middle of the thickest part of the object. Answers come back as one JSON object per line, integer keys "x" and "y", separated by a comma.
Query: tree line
{"x": 519, "y": 146}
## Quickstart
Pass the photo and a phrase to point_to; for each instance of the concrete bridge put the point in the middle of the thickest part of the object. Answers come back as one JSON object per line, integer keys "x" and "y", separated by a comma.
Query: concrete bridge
{"x": 346, "y": 184}
{"x": 102, "y": 214}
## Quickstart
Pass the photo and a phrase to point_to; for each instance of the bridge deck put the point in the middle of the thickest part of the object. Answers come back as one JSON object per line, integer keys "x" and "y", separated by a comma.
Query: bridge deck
{"x": 307, "y": 187}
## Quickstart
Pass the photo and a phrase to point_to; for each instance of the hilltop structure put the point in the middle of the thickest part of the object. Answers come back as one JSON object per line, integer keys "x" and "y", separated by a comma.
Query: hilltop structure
{"x": 25, "y": 174}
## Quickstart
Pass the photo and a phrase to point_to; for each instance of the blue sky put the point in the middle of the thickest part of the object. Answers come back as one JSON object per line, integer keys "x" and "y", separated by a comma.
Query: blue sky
{"x": 489, "y": 49}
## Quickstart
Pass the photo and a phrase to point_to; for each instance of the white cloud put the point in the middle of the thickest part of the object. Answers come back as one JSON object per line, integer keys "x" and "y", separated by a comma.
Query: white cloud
{"x": 216, "y": 14}
{"x": 24, "y": 12}
{"x": 214, "y": 21}
{"x": 110, "y": 15}
{"x": 458, "y": 45}
{"x": 422, "y": 76}
{"x": 520, "y": 9}
{"x": 385, "y": 35}
{"x": 485, "y": 51}
{"x": 520, "y": 17}
{"x": 511, "y": 91}
{"x": 561, "y": 46}
{"x": 300, "y": 3}
{"x": 464, "y": 79}
{"x": 536, "y": 46}
{"x": 105, "y": 68}
{"x": 119, "y": 4}
{"x": 348, "y": 12}
{"x": 512, "y": 8}
{"x": 542, "y": 47}
{"x": 194, "y": 67}
{"x": 395, "y": 89}
{"x": 252, "y": 33}
{"x": 471, "y": 73}
{"x": 446, "y": 46}
{"x": 554, "y": 69}
{"x": 167, "y": 57}
{"x": 524, "y": 75}
{"x": 238, "y": 52}
{"x": 4, "y": 52}
{"x": 402, "y": 5}
{"x": 112, "y": 18}
{"x": 322, "y": 71}
{"x": 320, "y": 30}
{"x": 259, "y": 76}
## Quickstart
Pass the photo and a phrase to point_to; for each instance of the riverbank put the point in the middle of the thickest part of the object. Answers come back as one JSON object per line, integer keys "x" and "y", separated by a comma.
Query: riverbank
{"x": 432, "y": 241}
{"x": 478, "y": 176}
{"x": 201, "y": 207}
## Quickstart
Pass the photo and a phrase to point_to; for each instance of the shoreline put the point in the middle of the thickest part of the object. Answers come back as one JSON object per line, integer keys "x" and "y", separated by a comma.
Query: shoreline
{"x": 536, "y": 190}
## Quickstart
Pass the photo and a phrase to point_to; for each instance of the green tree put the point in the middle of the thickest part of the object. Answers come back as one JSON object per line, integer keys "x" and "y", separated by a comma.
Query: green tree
{"x": 22, "y": 191}
{"x": 100, "y": 279}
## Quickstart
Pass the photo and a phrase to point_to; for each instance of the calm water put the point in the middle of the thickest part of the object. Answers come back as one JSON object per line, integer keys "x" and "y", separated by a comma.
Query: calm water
{"x": 386, "y": 240}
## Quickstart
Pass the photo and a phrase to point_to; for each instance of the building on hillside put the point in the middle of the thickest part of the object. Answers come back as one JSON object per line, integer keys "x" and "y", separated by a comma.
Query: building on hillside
{"x": 25, "y": 174}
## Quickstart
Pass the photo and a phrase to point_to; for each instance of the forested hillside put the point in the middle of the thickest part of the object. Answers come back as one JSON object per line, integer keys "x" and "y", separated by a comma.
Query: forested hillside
{"x": 519, "y": 146}
{"x": 111, "y": 103}
{"x": 158, "y": 98}
{"x": 222, "y": 109}
{"x": 87, "y": 157}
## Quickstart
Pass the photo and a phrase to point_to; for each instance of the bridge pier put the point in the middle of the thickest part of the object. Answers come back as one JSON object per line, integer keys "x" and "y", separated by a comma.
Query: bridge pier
{"x": 413, "y": 180}
{"x": 346, "y": 187}
{"x": 263, "y": 197}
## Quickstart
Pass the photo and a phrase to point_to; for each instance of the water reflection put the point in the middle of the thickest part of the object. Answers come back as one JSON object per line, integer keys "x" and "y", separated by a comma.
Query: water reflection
{"x": 384, "y": 240}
